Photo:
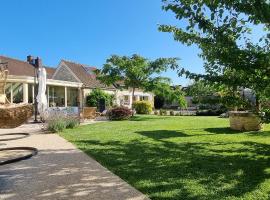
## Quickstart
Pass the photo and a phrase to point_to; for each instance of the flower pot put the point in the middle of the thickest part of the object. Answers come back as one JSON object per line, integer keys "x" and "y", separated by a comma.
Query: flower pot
{"x": 245, "y": 121}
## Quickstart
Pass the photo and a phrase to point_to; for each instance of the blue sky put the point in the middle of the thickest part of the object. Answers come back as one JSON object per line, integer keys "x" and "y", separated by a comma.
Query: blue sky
{"x": 89, "y": 31}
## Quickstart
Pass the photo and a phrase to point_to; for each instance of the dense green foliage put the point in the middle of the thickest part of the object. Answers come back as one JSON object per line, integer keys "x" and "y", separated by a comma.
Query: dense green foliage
{"x": 96, "y": 95}
{"x": 119, "y": 113}
{"x": 174, "y": 158}
{"x": 134, "y": 71}
{"x": 182, "y": 102}
{"x": 200, "y": 91}
{"x": 233, "y": 57}
{"x": 142, "y": 107}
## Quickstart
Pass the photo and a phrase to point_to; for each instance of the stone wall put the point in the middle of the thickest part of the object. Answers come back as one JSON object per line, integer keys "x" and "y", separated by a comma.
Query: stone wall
{"x": 14, "y": 115}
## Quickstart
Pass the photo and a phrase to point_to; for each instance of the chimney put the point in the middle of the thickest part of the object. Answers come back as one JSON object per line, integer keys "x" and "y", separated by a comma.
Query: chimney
{"x": 38, "y": 62}
{"x": 30, "y": 59}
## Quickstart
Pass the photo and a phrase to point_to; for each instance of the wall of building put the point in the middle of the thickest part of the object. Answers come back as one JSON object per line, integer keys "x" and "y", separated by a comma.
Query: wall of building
{"x": 63, "y": 73}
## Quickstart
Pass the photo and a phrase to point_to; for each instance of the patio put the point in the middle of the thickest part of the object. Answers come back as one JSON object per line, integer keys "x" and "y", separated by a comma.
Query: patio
{"x": 58, "y": 171}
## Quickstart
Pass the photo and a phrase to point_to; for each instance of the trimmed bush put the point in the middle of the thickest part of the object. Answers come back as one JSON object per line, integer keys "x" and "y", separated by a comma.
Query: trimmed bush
{"x": 156, "y": 112}
{"x": 142, "y": 107}
{"x": 119, "y": 113}
{"x": 172, "y": 113}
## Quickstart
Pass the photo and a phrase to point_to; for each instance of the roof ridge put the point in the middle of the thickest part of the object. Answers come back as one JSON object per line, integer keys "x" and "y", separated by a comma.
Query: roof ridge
{"x": 16, "y": 59}
{"x": 77, "y": 63}
{"x": 70, "y": 61}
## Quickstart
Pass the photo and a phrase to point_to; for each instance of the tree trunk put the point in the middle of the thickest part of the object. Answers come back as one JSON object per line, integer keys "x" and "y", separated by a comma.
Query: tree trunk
{"x": 258, "y": 104}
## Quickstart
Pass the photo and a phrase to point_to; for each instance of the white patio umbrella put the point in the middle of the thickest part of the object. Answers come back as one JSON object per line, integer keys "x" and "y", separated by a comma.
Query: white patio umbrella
{"x": 41, "y": 97}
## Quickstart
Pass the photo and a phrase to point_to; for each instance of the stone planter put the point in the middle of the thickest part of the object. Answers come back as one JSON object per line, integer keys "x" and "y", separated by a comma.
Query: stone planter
{"x": 89, "y": 112}
{"x": 14, "y": 115}
{"x": 244, "y": 121}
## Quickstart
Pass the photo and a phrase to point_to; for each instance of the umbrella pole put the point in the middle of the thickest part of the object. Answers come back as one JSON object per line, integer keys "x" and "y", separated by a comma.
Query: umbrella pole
{"x": 35, "y": 91}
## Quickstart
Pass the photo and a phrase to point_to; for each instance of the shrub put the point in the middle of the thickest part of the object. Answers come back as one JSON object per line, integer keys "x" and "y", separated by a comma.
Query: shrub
{"x": 96, "y": 95}
{"x": 71, "y": 122}
{"x": 56, "y": 125}
{"x": 162, "y": 112}
{"x": 142, "y": 107}
{"x": 172, "y": 113}
{"x": 209, "y": 112}
{"x": 156, "y": 112}
{"x": 119, "y": 113}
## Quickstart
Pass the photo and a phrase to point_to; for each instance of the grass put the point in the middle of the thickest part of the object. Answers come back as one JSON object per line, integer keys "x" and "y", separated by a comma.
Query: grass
{"x": 181, "y": 157}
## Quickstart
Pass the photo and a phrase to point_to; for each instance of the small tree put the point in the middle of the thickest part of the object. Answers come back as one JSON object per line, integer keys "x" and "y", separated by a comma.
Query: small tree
{"x": 182, "y": 102}
{"x": 135, "y": 71}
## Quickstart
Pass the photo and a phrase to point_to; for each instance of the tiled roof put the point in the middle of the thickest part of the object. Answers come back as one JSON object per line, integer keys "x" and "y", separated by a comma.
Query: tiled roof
{"x": 83, "y": 72}
{"x": 22, "y": 68}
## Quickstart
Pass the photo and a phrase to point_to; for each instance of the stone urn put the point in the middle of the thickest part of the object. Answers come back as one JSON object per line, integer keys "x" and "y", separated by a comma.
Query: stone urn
{"x": 245, "y": 121}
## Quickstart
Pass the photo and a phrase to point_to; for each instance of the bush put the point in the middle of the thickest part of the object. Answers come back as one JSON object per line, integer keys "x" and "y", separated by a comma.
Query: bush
{"x": 209, "y": 112}
{"x": 57, "y": 125}
{"x": 172, "y": 113}
{"x": 142, "y": 107}
{"x": 162, "y": 112}
{"x": 119, "y": 113}
{"x": 71, "y": 122}
{"x": 156, "y": 112}
{"x": 96, "y": 95}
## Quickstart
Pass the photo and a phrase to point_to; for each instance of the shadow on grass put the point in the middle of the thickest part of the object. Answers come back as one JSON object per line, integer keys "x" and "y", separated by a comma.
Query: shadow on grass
{"x": 162, "y": 134}
{"x": 168, "y": 170}
{"x": 222, "y": 130}
{"x": 146, "y": 118}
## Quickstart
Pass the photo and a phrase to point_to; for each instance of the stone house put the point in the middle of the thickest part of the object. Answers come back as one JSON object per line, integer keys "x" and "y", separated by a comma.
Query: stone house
{"x": 67, "y": 85}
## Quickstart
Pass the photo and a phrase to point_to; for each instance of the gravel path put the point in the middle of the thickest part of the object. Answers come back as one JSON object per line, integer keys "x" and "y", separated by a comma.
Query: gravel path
{"x": 59, "y": 171}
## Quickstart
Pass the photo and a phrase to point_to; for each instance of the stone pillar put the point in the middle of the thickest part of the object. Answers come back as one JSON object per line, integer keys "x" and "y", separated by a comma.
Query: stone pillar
{"x": 25, "y": 92}
{"x": 65, "y": 96}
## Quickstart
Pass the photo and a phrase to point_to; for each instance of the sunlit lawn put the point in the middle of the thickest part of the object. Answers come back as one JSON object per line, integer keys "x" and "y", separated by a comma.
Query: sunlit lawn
{"x": 181, "y": 157}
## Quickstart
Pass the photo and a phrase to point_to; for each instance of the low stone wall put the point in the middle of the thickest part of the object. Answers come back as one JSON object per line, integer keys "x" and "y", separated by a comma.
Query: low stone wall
{"x": 244, "y": 121}
{"x": 14, "y": 115}
{"x": 89, "y": 112}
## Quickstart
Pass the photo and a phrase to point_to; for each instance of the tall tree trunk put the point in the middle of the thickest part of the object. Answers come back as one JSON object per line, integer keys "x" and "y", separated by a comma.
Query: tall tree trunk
{"x": 258, "y": 103}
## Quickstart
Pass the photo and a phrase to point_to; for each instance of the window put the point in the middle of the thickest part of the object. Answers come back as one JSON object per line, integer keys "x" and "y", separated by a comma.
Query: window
{"x": 72, "y": 96}
{"x": 56, "y": 96}
{"x": 126, "y": 98}
{"x": 143, "y": 98}
{"x": 17, "y": 92}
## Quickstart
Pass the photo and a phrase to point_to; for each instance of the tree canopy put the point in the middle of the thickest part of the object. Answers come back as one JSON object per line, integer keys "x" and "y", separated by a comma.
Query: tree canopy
{"x": 134, "y": 71}
{"x": 223, "y": 30}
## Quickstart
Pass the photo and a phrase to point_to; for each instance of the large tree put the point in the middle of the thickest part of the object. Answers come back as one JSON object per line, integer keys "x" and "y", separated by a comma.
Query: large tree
{"x": 223, "y": 29}
{"x": 135, "y": 72}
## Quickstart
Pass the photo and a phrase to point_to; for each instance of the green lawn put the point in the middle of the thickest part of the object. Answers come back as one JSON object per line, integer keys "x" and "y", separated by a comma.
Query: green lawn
{"x": 181, "y": 157}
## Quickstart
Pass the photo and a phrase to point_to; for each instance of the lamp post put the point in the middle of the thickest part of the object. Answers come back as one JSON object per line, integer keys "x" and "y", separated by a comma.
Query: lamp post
{"x": 36, "y": 63}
